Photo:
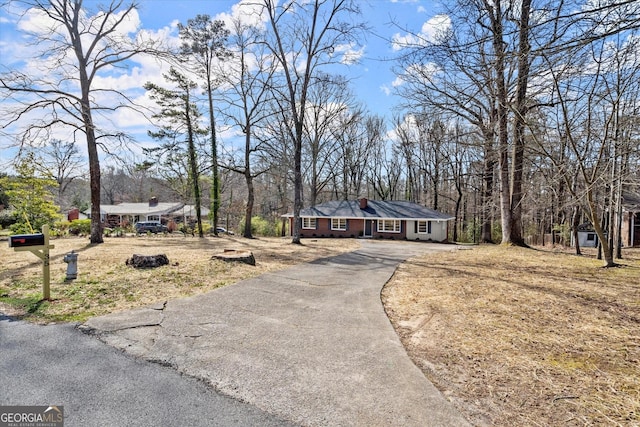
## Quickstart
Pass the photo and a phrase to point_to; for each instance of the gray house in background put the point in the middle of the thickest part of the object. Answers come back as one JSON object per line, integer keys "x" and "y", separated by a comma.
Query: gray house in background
{"x": 587, "y": 237}
{"x": 630, "y": 226}
{"x": 131, "y": 213}
{"x": 398, "y": 220}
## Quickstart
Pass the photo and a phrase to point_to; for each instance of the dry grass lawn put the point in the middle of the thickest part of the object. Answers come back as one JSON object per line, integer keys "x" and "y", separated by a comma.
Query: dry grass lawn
{"x": 105, "y": 284}
{"x": 522, "y": 337}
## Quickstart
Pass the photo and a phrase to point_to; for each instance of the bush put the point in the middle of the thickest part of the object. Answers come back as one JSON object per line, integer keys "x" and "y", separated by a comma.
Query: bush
{"x": 193, "y": 228}
{"x": 263, "y": 227}
{"x": 80, "y": 226}
{"x": 60, "y": 228}
{"x": 7, "y": 218}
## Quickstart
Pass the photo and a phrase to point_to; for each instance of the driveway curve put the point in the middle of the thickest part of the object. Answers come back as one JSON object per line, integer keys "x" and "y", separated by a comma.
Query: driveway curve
{"x": 310, "y": 344}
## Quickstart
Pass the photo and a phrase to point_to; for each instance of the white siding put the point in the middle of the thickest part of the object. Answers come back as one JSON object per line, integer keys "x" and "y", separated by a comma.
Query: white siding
{"x": 438, "y": 231}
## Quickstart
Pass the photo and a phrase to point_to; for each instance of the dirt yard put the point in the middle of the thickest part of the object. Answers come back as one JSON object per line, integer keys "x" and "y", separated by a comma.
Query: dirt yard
{"x": 522, "y": 337}
{"x": 105, "y": 284}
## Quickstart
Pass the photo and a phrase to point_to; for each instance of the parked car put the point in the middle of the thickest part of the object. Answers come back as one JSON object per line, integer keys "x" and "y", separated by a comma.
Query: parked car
{"x": 222, "y": 230}
{"x": 150, "y": 227}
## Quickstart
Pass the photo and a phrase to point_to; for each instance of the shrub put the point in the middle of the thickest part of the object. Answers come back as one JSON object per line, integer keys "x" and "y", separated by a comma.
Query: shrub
{"x": 80, "y": 226}
{"x": 263, "y": 227}
{"x": 191, "y": 228}
{"x": 60, "y": 228}
{"x": 7, "y": 218}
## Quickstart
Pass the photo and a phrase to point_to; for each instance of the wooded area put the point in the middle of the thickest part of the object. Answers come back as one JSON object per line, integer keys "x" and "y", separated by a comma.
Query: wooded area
{"x": 520, "y": 118}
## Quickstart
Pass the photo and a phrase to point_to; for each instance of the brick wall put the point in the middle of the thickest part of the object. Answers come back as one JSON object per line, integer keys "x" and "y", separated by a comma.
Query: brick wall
{"x": 355, "y": 228}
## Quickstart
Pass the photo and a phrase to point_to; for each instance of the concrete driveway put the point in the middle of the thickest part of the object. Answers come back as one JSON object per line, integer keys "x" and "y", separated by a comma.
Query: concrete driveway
{"x": 311, "y": 344}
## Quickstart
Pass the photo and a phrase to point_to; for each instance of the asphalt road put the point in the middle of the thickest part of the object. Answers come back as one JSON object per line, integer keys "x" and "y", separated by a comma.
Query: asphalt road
{"x": 101, "y": 386}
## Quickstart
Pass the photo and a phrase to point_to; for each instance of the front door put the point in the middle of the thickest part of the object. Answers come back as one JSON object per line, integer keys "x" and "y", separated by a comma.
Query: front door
{"x": 368, "y": 228}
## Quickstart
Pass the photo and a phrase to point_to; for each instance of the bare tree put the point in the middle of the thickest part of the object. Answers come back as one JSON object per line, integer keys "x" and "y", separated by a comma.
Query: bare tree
{"x": 248, "y": 76}
{"x": 113, "y": 185}
{"x": 78, "y": 44}
{"x": 453, "y": 73}
{"x": 329, "y": 99}
{"x": 304, "y": 37}
{"x": 591, "y": 84}
{"x": 62, "y": 161}
{"x": 356, "y": 134}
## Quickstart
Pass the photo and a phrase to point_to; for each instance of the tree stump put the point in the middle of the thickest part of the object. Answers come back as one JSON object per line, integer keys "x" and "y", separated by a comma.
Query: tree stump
{"x": 147, "y": 261}
{"x": 232, "y": 255}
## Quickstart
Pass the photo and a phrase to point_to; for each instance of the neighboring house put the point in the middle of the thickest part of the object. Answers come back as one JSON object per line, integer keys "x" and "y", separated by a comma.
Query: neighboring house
{"x": 630, "y": 227}
{"x": 630, "y": 219}
{"x": 587, "y": 237}
{"x": 124, "y": 214}
{"x": 397, "y": 220}
{"x": 75, "y": 213}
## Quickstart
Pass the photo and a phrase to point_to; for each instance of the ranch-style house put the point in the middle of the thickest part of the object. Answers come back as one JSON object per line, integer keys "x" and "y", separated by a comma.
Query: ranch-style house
{"x": 131, "y": 213}
{"x": 398, "y": 220}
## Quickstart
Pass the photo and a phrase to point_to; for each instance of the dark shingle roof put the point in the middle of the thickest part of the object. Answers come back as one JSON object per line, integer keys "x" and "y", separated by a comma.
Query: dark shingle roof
{"x": 374, "y": 209}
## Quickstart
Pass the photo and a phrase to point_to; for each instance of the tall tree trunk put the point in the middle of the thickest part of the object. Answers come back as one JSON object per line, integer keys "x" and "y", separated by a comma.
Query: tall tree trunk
{"x": 90, "y": 133}
{"x": 215, "y": 177}
{"x": 457, "y": 215}
{"x": 250, "y": 202}
{"x": 249, "y": 181}
{"x": 575, "y": 221}
{"x": 193, "y": 166}
{"x": 94, "y": 160}
{"x": 488, "y": 167}
{"x": 94, "y": 176}
{"x": 519, "y": 126}
{"x": 297, "y": 184}
{"x": 313, "y": 190}
{"x": 495, "y": 15}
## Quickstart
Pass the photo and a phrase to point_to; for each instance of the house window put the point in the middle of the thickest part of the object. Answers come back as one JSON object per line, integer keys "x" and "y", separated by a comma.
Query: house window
{"x": 309, "y": 223}
{"x": 591, "y": 237}
{"x": 424, "y": 227}
{"x": 389, "y": 225}
{"x": 338, "y": 223}
{"x": 153, "y": 217}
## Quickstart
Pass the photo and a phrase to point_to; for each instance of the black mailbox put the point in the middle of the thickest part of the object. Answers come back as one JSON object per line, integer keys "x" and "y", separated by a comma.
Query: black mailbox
{"x": 21, "y": 240}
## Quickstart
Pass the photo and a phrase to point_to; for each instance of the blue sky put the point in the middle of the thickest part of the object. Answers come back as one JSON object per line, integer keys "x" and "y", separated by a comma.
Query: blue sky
{"x": 373, "y": 78}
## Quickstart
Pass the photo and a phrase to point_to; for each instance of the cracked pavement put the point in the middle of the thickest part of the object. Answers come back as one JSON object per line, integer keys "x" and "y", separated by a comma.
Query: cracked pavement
{"x": 99, "y": 386}
{"x": 310, "y": 344}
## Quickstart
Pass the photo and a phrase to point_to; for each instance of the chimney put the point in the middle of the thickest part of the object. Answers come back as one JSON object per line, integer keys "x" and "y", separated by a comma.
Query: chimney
{"x": 153, "y": 202}
{"x": 363, "y": 203}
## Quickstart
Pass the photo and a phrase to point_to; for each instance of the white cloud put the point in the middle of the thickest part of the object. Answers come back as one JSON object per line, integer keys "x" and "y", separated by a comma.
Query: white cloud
{"x": 248, "y": 12}
{"x": 430, "y": 31}
{"x": 397, "y": 82}
{"x": 350, "y": 54}
{"x": 386, "y": 89}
